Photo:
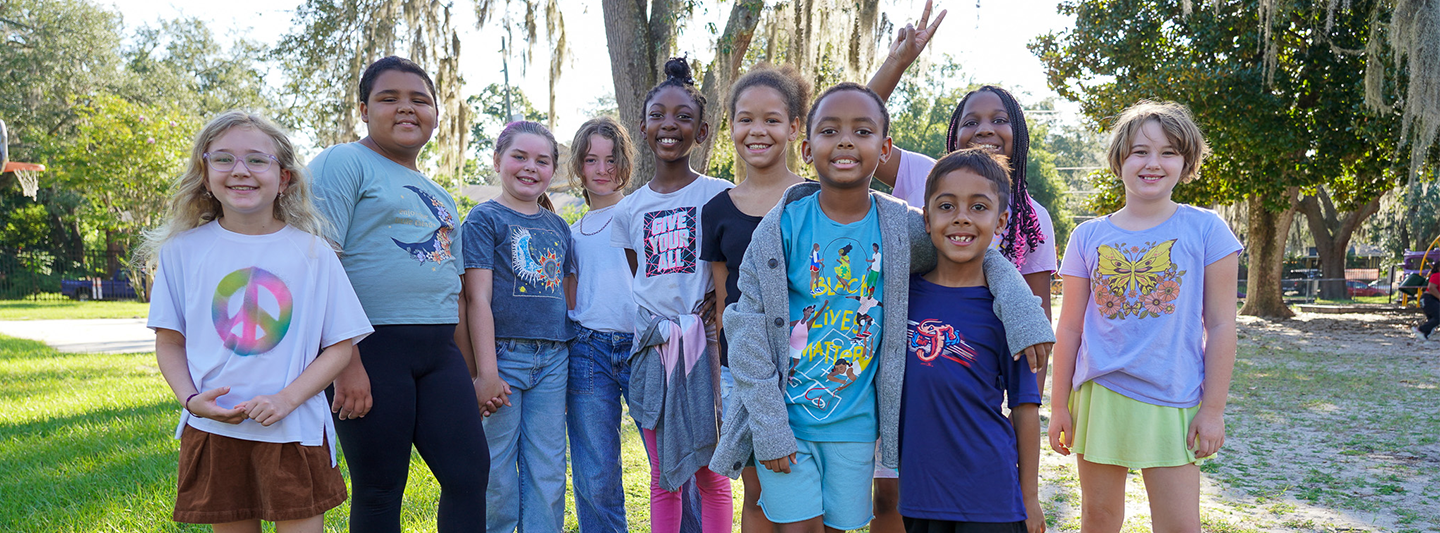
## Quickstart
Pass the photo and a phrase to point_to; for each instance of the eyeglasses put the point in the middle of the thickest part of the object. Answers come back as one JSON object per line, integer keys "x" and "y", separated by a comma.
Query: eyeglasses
{"x": 225, "y": 161}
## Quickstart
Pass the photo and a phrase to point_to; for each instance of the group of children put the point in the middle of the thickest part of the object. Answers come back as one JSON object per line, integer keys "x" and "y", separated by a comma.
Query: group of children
{"x": 816, "y": 339}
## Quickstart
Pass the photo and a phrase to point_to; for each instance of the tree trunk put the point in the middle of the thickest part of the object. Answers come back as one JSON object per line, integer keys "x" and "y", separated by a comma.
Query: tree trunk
{"x": 633, "y": 70}
{"x": 1267, "y": 232}
{"x": 729, "y": 52}
{"x": 1332, "y": 234}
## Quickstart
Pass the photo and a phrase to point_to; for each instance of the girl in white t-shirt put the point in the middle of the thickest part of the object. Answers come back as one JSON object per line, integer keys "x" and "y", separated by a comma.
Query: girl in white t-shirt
{"x": 253, "y": 317}
{"x": 1146, "y": 337}
{"x": 604, "y": 315}
{"x": 658, "y": 226}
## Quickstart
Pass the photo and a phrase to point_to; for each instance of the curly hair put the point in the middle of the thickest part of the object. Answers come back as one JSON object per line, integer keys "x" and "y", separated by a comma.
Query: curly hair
{"x": 192, "y": 205}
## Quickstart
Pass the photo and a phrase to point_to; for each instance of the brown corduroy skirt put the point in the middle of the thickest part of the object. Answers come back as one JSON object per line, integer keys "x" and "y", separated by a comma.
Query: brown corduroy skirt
{"x": 223, "y": 479}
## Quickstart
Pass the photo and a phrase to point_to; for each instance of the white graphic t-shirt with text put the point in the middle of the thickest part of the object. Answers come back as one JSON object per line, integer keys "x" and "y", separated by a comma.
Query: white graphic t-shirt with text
{"x": 664, "y": 232}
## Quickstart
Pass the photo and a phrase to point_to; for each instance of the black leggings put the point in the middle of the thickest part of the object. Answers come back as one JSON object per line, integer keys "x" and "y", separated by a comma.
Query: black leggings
{"x": 423, "y": 395}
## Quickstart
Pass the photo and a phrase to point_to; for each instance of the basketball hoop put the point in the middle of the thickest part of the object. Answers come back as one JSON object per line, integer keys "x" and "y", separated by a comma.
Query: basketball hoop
{"x": 29, "y": 176}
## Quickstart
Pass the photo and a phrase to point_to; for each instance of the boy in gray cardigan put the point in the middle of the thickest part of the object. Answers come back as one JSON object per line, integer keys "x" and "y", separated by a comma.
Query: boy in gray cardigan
{"x": 814, "y": 436}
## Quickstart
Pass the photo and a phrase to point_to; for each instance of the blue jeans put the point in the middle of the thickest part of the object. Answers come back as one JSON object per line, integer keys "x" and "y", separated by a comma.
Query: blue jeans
{"x": 599, "y": 375}
{"x": 527, "y": 439}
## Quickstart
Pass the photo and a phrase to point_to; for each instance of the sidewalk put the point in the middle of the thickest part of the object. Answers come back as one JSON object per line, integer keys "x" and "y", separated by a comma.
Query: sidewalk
{"x": 121, "y": 335}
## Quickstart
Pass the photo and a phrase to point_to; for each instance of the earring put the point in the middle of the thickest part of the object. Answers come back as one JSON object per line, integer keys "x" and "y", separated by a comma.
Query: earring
{"x": 207, "y": 194}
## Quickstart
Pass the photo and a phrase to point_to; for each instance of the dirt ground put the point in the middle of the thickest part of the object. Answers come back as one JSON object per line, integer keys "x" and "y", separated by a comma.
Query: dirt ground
{"x": 1331, "y": 426}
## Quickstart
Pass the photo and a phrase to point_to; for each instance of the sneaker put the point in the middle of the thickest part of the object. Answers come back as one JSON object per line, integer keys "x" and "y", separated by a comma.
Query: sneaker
{"x": 1418, "y": 335}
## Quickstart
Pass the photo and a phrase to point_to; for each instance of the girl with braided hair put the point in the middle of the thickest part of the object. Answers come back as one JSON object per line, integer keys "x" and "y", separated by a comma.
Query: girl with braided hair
{"x": 988, "y": 117}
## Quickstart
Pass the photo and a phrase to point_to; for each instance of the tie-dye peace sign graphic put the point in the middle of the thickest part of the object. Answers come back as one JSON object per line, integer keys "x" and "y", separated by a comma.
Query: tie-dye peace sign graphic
{"x": 252, "y": 309}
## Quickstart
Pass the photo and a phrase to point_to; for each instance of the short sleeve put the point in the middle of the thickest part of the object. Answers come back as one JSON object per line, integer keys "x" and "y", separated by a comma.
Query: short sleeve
{"x": 1074, "y": 262}
{"x": 479, "y": 238}
{"x": 337, "y": 189}
{"x": 1020, "y": 387}
{"x": 344, "y": 317}
{"x": 167, "y": 294}
{"x": 710, "y": 228}
{"x": 620, "y": 225}
{"x": 572, "y": 263}
{"x": 910, "y": 177}
{"x": 1221, "y": 242}
{"x": 1042, "y": 258}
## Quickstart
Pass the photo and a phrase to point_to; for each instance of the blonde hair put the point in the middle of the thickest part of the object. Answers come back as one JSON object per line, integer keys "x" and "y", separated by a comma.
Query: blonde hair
{"x": 192, "y": 205}
{"x": 624, "y": 154}
{"x": 1178, "y": 124}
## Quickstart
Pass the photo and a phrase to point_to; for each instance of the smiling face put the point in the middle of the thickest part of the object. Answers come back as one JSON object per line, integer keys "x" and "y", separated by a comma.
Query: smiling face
{"x": 598, "y": 169}
{"x": 672, "y": 124}
{"x": 525, "y": 167}
{"x": 845, "y": 143}
{"x": 984, "y": 123}
{"x": 242, "y": 192}
{"x": 400, "y": 113}
{"x": 760, "y": 128}
{"x": 962, "y": 216}
{"x": 1153, "y": 167}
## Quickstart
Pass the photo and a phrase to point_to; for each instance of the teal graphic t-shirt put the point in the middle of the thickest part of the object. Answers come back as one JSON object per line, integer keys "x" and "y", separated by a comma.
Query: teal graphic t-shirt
{"x": 836, "y": 314}
{"x": 396, "y": 231}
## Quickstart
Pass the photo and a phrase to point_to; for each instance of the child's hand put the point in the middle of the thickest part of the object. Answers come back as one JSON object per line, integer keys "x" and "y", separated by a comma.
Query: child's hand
{"x": 1037, "y": 355}
{"x": 203, "y": 405}
{"x": 492, "y": 392}
{"x": 1034, "y": 516}
{"x": 1206, "y": 434}
{"x": 706, "y": 308}
{"x": 911, "y": 39}
{"x": 267, "y": 409}
{"x": 352, "y": 391}
{"x": 1060, "y": 426}
{"x": 781, "y": 465}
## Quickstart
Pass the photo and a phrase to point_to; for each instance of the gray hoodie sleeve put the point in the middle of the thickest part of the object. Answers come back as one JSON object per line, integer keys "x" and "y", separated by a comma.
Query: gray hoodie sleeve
{"x": 1015, "y": 305}
{"x": 756, "y": 373}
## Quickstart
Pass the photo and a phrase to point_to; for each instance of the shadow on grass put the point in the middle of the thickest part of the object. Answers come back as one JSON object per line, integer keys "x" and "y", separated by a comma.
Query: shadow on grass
{"x": 105, "y": 469}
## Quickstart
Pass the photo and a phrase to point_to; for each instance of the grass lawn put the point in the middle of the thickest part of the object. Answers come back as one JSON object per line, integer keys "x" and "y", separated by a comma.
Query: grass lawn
{"x": 67, "y": 309}
{"x": 1316, "y": 442}
{"x": 85, "y": 445}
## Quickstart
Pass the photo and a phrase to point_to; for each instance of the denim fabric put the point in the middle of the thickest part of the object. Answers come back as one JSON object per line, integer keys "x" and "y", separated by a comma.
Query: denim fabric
{"x": 727, "y": 384}
{"x": 599, "y": 375}
{"x": 527, "y": 439}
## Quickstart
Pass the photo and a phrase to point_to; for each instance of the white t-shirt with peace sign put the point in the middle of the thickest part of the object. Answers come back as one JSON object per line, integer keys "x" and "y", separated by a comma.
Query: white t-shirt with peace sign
{"x": 255, "y": 311}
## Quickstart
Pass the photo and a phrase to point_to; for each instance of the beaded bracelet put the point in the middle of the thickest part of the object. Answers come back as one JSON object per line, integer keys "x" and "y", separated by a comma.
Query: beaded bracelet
{"x": 186, "y": 405}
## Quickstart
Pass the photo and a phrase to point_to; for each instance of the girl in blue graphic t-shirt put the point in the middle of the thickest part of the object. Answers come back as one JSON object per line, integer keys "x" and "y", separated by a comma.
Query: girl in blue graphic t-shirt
{"x": 518, "y": 264}
{"x": 1146, "y": 338}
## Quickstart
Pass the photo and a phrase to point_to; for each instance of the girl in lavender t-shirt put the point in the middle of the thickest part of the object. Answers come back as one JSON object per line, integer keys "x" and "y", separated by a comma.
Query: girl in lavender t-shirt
{"x": 1146, "y": 337}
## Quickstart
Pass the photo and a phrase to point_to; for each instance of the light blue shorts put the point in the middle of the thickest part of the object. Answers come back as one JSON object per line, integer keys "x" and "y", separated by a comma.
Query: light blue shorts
{"x": 830, "y": 479}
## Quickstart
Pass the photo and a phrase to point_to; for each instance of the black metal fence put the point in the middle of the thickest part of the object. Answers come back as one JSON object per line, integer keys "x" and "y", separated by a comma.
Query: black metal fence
{"x": 47, "y": 275}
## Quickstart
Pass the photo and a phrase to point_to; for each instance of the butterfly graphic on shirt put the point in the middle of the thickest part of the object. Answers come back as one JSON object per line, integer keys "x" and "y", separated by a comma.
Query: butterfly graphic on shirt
{"x": 1131, "y": 280}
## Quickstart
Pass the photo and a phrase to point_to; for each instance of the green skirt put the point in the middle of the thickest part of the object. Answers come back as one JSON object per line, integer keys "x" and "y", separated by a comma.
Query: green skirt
{"x": 1116, "y": 430}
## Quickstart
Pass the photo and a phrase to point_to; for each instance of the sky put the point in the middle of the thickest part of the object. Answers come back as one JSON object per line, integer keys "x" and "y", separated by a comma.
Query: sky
{"x": 987, "y": 37}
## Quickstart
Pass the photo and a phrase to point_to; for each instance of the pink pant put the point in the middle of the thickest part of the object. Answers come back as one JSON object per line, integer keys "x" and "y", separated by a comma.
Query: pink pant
{"x": 716, "y": 511}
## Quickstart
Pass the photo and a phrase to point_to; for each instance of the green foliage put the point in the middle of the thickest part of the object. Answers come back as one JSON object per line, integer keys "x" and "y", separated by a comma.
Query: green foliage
{"x": 122, "y": 159}
{"x": 71, "y": 310}
{"x": 1309, "y": 126}
{"x": 180, "y": 63}
{"x": 490, "y": 117}
{"x": 52, "y": 54}
{"x": 922, "y": 104}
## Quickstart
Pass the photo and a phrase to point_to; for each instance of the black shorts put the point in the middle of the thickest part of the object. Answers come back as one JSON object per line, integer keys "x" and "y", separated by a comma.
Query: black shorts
{"x": 925, "y": 525}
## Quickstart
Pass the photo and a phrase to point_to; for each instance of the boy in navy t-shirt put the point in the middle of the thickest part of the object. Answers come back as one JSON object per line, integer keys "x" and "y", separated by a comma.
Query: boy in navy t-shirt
{"x": 960, "y": 465}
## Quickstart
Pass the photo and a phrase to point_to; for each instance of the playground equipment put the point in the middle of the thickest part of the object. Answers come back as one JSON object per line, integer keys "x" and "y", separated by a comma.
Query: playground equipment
{"x": 27, "y": 173}
{"x": 1415, "y": 266}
